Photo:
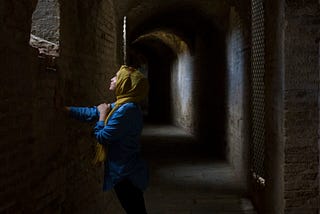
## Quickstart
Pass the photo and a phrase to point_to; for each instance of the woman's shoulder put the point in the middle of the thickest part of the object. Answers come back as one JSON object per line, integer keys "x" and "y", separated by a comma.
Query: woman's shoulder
{"x": 128, "y": 110}
{"x": 130, "y": 106}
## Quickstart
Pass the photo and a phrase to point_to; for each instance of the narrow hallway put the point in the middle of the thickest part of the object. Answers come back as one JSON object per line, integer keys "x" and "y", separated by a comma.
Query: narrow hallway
{"x": 242, "y": 76}
{"x": 185, "y": 179}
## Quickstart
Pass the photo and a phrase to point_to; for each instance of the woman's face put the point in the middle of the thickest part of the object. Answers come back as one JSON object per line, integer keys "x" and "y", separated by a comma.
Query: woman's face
{"x": 113, "y": 82}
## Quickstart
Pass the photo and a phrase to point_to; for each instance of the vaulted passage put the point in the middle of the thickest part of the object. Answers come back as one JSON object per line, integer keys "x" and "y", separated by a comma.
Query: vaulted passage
{"x": 185, "y": 122}
{"x": 184, "y": 57}
{"x": 231, "y": 121}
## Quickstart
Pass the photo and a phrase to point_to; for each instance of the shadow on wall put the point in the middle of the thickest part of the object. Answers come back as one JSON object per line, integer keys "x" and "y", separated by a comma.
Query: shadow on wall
{"x": 211, "y": 73}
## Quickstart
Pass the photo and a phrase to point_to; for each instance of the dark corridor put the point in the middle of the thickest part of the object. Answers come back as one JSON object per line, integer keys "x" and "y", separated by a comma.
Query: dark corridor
{"x": 186, "y": 179}
{"x": 233, "y": 111}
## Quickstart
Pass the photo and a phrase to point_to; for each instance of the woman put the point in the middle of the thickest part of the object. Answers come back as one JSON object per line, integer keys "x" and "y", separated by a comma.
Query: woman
{"x": 117, "y": 131}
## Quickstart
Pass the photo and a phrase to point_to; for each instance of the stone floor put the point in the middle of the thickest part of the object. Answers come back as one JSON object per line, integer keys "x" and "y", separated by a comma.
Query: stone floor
{"x": 187, "y": 180}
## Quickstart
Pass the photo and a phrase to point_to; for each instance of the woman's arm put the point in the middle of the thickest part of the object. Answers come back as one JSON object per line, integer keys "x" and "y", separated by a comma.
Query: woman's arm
{"x": 85, "y": 114}
{"x": 113, "y": 130}
{"x": 126, "y": 117}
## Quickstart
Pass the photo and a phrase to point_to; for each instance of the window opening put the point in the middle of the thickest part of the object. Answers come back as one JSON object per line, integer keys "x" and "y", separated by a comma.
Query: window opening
{"x": 45, "y": 27}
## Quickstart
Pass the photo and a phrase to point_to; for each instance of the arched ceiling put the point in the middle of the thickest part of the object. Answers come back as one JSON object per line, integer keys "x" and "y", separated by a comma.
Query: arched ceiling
{"x": 183, "y": 18}
{"x": 145, "y": 8}
{"x": 171, "y": 40}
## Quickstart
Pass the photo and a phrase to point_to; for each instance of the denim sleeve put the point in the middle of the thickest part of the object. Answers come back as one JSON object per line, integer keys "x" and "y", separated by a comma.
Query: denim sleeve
{"x": 115, "y": 128}
{"x": 85, "y": 114}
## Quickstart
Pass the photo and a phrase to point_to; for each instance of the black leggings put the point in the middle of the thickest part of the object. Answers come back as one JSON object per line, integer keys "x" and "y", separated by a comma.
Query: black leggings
{"x": 130, "y": 197}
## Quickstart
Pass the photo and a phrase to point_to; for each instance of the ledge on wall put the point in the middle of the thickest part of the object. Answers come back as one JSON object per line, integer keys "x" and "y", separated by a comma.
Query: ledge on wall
{"x": 45, "y": 47}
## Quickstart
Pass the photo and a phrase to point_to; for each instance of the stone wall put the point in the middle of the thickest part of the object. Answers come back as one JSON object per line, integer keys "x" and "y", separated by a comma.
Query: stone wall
{"x": 45, "y": 155}
{"x": 18, "y": 61}
{"x": 237, "y": 92}
{"x": 301, "y": 187}
{"x": 46, "y": 20}
{"x": 86, "y": 64}
{"x": 273, "y": 201}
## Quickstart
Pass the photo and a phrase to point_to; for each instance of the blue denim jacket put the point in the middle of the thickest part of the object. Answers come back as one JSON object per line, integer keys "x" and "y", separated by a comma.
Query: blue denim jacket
{"x": 122, "y": 136}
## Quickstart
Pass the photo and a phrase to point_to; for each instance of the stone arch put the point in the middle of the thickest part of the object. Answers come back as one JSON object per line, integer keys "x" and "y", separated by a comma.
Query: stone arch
{"x": 170, "y": 83}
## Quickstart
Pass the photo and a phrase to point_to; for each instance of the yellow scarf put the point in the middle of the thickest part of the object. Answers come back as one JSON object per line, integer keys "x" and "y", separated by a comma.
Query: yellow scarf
{"x": 131, "y": 86}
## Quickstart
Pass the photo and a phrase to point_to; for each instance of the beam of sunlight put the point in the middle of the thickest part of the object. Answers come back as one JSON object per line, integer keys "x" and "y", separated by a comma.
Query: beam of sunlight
{"x": 125, "y": 40}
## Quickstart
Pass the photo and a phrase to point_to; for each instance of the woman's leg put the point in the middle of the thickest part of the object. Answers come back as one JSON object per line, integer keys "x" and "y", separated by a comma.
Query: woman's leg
{"x": 130, "y": 197}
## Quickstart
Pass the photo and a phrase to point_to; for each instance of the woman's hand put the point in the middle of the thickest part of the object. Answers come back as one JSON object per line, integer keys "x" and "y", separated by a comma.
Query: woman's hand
{"x": 103, "y": 109}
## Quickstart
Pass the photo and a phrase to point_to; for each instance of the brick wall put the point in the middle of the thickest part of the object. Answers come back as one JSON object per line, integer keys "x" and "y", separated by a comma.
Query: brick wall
{"x": 86, "y": 65}
{"x": 17, "y": 71}
{"x": 301, "y": 107}
{"x": 45, "y": 156}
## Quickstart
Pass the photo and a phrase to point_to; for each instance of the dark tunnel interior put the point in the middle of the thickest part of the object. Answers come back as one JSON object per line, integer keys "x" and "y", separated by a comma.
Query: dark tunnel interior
{"x": 206, "y": 44}
{"x": 159, "y": 60}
